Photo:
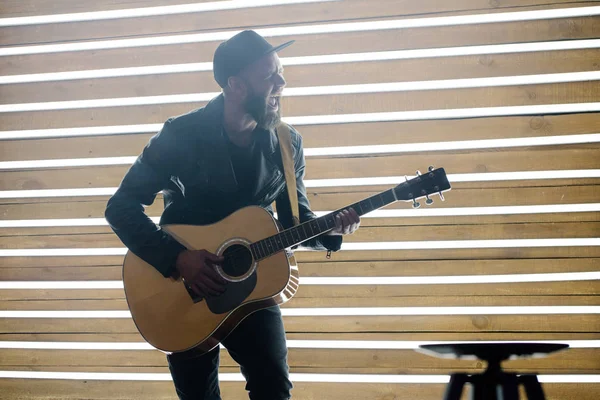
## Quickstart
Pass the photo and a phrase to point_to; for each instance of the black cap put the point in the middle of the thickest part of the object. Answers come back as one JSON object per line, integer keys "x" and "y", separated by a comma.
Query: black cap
{"x": 240, "y": 51}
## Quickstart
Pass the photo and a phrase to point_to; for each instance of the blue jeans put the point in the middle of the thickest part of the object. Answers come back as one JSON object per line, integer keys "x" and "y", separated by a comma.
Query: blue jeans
{"x": 257, "y": 344}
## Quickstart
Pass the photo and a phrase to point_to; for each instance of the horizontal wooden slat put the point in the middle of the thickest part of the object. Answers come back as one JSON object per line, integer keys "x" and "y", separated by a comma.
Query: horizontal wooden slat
{"x": 571, "y": 253}
{"x": 20, "y": 389}
{"x": 546, "y": 218}
{"x": 462, "y": 67}
{"x": 417, "y": 337}
{"x": 12, "y": 271}
{"x": 314, "y": 44}
{"x": 352, "y": 134}
{"x": 325, "y": 12}
{"x": 365, "y": 234}
{"x": 322, "y": 360}
{"x": 385, "y": 299}
{"x": 460, "y": 323}
{"x": 574, "y": 92}
{"x": 382, "y": 293}
{"x": 455, "y": 254}
{"x": 21, "y": 8}
{"x": 536, "y": 159}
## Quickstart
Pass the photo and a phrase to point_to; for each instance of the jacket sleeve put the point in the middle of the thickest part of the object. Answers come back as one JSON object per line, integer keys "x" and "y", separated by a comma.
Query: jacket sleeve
{"x": 148, "y": 175}
{"x": 323, "y": 242}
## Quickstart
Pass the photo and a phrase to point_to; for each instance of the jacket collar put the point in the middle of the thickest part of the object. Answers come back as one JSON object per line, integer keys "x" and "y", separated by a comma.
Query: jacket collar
{"x": 214, "y": 111}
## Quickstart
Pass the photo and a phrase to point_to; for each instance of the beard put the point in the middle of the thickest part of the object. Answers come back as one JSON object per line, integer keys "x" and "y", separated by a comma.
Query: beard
{"x": 256, "y": 106}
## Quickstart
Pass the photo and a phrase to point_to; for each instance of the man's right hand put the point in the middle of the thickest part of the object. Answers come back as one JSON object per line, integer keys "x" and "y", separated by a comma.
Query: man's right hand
{"x": 197, "y": 267}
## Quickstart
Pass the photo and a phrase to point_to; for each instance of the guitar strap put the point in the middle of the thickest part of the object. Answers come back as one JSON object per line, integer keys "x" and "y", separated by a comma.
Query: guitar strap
{"x": 285, "y": 145}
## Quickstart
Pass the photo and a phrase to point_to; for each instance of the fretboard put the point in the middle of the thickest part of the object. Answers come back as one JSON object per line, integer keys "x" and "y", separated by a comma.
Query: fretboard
{"x": 315, "y": 227}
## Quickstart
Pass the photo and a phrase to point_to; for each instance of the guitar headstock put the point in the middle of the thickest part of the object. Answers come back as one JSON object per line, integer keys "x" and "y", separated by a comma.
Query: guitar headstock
{"x": 432, "y": 182}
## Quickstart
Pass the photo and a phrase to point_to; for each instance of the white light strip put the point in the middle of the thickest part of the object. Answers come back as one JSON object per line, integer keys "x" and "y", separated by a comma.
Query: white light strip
{"x": 311, "y": 60}
{"x": 328, "y": 119}
{"x": 100, "y": 103}
{"x": 69, "y": 162}
{"x": 394, "y": 213}
{"x": 385, "y": 280}
{"x": 309, "y": 30}
{"x": 295, "y": 377}
{"x": 291, "y": 344}
{"x": 82, "y": 131}
{"x": 408, "y": 245}
{"x": 15, "y": 194}
{"x": 339, "y": 151}
{"x": 455, "y": 178}
{"x": 444, "y": 114}
{"x": 148, "y": 11}
{"x": 448, "y": 146}
{"x": 102, "y": 251}
{"x": 470, "y": 244}
{"x": 402, "y": 311}
{"x": 314, "y": 91}
{"x": 469, "y": 211}
{"x": 340, "y": 311}
{"x": 443, "y": 280}
{"x": 310, "y": 183}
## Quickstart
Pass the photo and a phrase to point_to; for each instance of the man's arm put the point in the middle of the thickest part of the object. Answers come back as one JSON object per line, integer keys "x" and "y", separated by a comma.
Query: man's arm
{"x": 148, "y": 175}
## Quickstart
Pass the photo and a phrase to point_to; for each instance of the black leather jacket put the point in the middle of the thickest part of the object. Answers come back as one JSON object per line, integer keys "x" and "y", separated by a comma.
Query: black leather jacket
{"x": 189, "y": 161}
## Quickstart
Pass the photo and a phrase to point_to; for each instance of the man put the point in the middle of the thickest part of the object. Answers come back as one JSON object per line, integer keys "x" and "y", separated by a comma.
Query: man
{"x": 209, "y": 163}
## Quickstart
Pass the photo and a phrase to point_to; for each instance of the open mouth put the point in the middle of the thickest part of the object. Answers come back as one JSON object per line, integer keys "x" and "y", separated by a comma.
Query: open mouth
{"x": 273, "y": 102}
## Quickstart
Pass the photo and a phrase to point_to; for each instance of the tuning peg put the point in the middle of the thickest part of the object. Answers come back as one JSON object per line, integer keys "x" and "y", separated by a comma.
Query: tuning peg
{"x": 428, "y": 201}
{"x": 406, "y": 178}
{"x": 418, "y": 173}
{"x": 441, "y": 196}
{"x": 416, "y": 204}
{"x": 431, "y": 168}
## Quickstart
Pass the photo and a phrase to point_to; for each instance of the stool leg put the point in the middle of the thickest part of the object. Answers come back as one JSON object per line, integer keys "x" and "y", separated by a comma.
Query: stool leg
{"x": 455, "y": 387}
{"x": 509, "y": 390}
{"x": 533, "y": 388}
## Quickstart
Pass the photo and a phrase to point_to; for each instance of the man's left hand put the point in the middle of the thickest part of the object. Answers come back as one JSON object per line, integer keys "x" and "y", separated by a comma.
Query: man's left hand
{"x": 346, "y": 222}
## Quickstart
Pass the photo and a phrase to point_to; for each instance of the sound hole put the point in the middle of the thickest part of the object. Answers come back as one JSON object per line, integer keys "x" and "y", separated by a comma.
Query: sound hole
{"x": 238, "y": 260}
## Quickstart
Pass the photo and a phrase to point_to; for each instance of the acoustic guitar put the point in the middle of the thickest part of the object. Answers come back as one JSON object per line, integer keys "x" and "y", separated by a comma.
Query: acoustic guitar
{"x": 258, "y": 266}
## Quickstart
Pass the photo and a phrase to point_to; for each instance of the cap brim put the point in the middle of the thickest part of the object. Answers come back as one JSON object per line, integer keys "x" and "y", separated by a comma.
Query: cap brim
{"x": 282, "y": 46}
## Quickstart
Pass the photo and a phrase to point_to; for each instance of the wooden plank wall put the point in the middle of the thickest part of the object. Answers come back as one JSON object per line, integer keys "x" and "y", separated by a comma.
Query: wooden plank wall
{"x": 551, "y": 191}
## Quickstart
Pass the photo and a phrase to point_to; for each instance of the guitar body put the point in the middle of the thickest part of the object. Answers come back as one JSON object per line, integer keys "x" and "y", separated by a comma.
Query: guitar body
{"x": 166, "y": 312}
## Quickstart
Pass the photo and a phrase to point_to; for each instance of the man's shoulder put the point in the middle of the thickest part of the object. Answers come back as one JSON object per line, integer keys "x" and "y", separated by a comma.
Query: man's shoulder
{"x": 196, "y": 118}
{"x": 295, "y": 136}
{"x": 183, "y": 122}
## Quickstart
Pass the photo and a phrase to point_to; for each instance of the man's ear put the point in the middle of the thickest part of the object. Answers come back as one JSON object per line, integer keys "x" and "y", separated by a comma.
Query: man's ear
{"x": 237, "y": 86}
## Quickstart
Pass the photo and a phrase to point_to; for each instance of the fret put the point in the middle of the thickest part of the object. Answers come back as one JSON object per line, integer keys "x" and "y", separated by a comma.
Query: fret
{"x": 358, "y": 208}
{"x": 306, "y": 235}
{"x": 330, "y": 221}
{"x": 312, "y": 231}
{"x": 289, "y": 242}
{"x": 254, "y": 255}
{"x": 315, "y": 227}
{"x": 273, "y": 242}
{"x": 297, "y": 238}
{"x": 263, "y": 247}
{"x": 278, "y": 245}
{"x": 379, "y": 201}
{"x": 258, "y": 252}
{"x": 388, "y": 197}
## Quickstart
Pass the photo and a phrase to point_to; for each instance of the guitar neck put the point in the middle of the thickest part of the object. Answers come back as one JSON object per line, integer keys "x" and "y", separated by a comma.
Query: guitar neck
{"x": 318, "y": 226}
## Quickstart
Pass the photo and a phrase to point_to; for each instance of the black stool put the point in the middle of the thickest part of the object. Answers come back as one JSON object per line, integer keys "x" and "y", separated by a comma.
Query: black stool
{"x": 493, "y": 384}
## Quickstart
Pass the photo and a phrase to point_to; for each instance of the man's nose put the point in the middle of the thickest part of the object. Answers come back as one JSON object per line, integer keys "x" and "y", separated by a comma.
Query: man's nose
{"x": 280, "y": 81}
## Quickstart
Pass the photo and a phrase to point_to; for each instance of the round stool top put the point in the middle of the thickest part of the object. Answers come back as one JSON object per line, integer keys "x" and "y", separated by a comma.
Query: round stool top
{"x": 490, "y": 351}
